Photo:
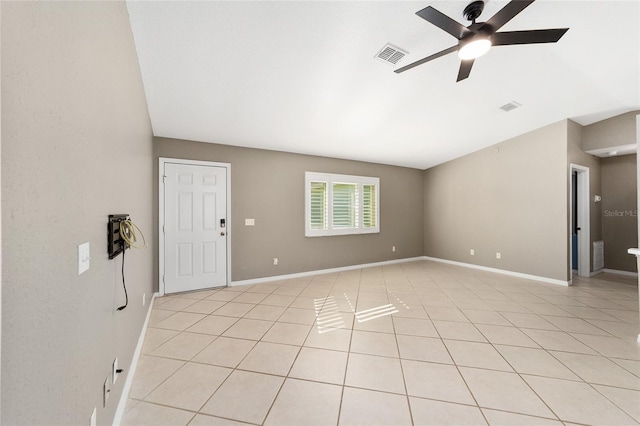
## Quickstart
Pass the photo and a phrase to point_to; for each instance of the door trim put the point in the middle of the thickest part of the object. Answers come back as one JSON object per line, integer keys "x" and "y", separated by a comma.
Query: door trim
{"x": 161, "y": 163}
{"x": 584, "y": 220}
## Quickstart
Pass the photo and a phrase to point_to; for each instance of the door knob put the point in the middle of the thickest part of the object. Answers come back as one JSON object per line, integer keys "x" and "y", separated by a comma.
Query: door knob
{"x": 222, "y": 234}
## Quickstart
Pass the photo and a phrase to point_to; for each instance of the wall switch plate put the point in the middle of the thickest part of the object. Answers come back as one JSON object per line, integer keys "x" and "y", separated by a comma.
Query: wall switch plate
{"x": 393, "y": 248}
{"x": 249, "y": 222}
{"x": 114, "y": 371}
{"x": 144, "y": 299}
{"x": 84, "y": 256}
{"x": 275, "y": 260}
{"x": 93, "y": 420}
{"x": 498, "y": 256}
{"x": 472, "y": 252}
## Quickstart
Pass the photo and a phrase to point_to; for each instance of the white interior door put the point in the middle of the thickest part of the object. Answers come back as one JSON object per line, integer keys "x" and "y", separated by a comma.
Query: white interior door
{"x": 195, "y": 227}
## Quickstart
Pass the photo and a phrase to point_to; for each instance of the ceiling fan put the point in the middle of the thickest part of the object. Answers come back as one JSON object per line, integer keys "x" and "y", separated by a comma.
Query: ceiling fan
{"x": 476, "y": 39}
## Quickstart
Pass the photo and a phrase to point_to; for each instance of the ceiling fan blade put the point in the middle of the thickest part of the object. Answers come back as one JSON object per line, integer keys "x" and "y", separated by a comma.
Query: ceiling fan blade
{"x": 507, "y": 13}
{"x": 427, "y": 59}
{"x": 443, "y": 22}
{"x": 527, "y": 37}
{"x": 465, "y": 69}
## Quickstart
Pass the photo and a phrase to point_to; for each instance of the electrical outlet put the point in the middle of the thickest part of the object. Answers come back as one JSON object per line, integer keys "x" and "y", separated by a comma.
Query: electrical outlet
{"x": 393, "y": 248}
{"x": 275, "y": 260}
{"x": 114, "y": 371}
{"x": 106, "y": 389}
{"x": 498, "y": 256}
{"x": 249, "y": 222}
{"x": 472, "y": 252}
{"x": 93, "y": 420}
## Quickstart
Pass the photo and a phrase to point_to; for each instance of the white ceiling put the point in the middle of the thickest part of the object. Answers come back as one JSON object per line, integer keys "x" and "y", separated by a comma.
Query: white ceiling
{"x": 301, "y": 76}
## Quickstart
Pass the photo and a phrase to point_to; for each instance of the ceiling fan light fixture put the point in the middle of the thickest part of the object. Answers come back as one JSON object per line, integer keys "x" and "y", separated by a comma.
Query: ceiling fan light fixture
{"x": 476, "y": 39}
{"x": 474, "y": 48}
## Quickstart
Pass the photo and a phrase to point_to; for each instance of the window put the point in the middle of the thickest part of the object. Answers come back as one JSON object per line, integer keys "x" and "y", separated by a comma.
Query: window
{"x": 341, "y": 204}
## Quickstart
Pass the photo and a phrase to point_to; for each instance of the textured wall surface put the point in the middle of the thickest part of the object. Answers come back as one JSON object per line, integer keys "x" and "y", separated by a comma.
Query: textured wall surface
{"x": 615, "y": 131}
{"x": 509, "y": 198}
{"x": 619, "y": 211}
{"x": 268, "y": 186}
{"x": 76, "y": 147}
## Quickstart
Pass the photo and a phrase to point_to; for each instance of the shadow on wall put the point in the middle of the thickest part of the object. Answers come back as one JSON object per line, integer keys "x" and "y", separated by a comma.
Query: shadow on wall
{"x": 619, "y": 211}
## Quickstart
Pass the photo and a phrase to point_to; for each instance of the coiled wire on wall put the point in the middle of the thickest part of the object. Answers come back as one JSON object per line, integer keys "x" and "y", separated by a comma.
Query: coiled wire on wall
{"x": 129, "y": 233}
{"x": 130, "y": 236}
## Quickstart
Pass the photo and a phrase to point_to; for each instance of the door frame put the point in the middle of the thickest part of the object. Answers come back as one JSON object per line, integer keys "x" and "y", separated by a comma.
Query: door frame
{"x": 584, "y": 220}
{"x": 161, "y": 163}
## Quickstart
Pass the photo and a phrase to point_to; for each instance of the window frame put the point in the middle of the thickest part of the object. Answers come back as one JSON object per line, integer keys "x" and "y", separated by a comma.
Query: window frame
{"x": 331, "y": 179}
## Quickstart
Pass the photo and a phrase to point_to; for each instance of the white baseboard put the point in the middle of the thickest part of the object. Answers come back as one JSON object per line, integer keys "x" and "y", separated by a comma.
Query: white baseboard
{"x": 322, "y": 271}
{"x": 122, "y": 403}
{"x": 500, "y": 271}
{"x": 594, "y": 273}
{"x": 390, "y": 262}
{"x": 617, "y": 272}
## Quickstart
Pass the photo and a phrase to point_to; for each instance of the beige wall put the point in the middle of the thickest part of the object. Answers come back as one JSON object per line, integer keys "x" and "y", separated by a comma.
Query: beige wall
{"x": 509, "y": 198}
{"x": 619, "y": 206}
{"x": 577, "y": 156}
{"x": 615, "y": 131}
{"x": 268, "y": 186}
{"x": 76, "y": 146}
{"x": 638, "y": 195}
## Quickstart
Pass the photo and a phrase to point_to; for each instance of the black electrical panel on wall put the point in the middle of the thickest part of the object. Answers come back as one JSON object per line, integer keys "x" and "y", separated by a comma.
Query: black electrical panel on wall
{"x": 115, "y": 242}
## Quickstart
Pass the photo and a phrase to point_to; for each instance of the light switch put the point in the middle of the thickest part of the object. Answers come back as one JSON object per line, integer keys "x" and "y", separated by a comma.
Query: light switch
{"x": 249, "y": 222}
{"x": 84, "y": 256}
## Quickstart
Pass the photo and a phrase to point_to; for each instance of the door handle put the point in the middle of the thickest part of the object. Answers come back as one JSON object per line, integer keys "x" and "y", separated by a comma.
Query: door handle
{"x": 222, "y": 234}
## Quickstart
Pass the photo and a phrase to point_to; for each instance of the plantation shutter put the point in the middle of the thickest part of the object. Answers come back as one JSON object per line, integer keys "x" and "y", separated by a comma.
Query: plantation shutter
{"x": 345, "y": 205}
{"x": 319, "y": 205}
{"x": 341, "y": 204}
{"x": 369, "y": 219}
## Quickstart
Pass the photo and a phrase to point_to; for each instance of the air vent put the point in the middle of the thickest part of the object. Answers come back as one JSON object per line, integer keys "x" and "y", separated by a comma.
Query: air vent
{"x": 510, "y": 106}
{"x": 391, "y": 54}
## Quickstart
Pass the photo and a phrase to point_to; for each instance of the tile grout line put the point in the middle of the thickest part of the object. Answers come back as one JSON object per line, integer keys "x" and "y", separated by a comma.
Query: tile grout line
{"x": 346, "y": 365}
{"x": 464, "y": 380}
{"x": 448, "y": 278}
{"x": 266, "y": 416}
{"x": 404, "y": 380}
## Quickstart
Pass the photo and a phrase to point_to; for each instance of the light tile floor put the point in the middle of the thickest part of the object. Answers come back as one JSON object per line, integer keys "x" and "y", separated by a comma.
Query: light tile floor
{"x": 412, "y": 343}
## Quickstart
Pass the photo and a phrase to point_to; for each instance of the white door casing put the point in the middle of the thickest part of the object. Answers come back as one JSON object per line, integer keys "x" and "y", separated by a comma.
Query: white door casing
{"x": 194, "y": 225}
{"x": 584, "y": 221}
